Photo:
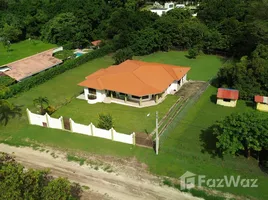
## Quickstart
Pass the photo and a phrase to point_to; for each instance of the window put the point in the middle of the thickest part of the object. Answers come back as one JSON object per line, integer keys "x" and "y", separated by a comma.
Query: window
{"x": 91, "y": 91}
{"x": 227, "y": 100}
{"x": 145, "y": 97}
{"x": 135, "y": 97}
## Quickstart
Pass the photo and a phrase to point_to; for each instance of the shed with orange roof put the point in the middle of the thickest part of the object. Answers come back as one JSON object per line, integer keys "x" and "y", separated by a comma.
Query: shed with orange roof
{"x": 227, "y": 97}
{"x": 262, "y": 103}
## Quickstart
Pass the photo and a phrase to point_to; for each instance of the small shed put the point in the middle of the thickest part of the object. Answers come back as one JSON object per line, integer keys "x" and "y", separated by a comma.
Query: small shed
{"x": 262, "y": 103}
{"x": 96, "y": 43}
{"x": 227, "y": 97}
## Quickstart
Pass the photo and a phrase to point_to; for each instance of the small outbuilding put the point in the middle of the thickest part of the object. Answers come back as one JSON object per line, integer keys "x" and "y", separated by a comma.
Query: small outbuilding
{"x": 262, "y": 103}
{"x": 96, "y": 44}
{"x": 227, "y": 97}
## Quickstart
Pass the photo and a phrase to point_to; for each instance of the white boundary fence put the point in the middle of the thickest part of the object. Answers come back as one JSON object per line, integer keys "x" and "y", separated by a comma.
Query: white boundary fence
{"x": 90, "y": 130}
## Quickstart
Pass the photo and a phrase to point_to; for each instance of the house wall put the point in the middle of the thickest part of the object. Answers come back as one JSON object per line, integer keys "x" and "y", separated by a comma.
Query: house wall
{"x": 89, "y": 130}
{"x": 159, "y": 12}
{"x": 100, "y": 96}
{"x": 262, "y": 107}
{"x": 232, "y": 103}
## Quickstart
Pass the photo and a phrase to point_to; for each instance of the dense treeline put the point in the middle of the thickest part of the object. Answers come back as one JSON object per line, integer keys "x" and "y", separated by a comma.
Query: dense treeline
{"x": 17, "y": 183}
{"x": 234, "y": 28}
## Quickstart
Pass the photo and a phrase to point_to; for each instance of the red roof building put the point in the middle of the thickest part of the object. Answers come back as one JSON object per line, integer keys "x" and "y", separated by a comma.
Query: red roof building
{"x": 96, "y": 43}
{"x": 261, "y": 99}
{"x": 225, "y": 93}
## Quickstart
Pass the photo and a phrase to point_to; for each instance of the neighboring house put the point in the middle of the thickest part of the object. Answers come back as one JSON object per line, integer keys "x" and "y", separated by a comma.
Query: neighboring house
{"x": 31, "y": 65}
{"x": 96, "y": 44}
{"x": 165, "y": 9}
{"x": 227, "y": 97}
{"x": 135, "y": 83}
{"x": 262, "y": 103}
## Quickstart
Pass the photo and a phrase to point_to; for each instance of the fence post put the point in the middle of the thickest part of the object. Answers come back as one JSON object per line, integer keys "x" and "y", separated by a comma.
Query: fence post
{"x": 47, "y": 119}
{"x": 91, "y": 128}
{"x": 112, "y": 133}
{"x": 62, "y": 123}
{"x": 71, "y": 124}
{"x": 28, "y": 115}
{"x": 134, "y": 138}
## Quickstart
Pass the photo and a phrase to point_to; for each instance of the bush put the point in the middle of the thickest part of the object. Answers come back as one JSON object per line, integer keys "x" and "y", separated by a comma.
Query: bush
{"x": 122, "y": 55}
{"x": 65, "y": 54}
{"x": 50, "y": 110}
{"x": 6, "y": 80}
{"x": 192, "y": 53}
{"x": 105, "y": 121}
{"x": 42, "y": 77}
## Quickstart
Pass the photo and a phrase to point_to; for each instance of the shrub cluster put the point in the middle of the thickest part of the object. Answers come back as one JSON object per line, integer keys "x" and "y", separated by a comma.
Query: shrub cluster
{"x": 52, "y": 72}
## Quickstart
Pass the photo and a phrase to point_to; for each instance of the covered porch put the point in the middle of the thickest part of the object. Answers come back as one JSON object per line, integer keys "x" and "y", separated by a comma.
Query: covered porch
{"x": 134, "y": 101}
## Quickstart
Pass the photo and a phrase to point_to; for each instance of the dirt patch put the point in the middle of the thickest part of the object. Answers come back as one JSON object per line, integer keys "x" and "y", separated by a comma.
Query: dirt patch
{"x": 190, "y": 88}
{"x": 129, "y": 181}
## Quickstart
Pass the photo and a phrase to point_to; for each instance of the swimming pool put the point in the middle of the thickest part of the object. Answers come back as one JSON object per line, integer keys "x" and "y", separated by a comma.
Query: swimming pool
{"x": 78, "y": 54}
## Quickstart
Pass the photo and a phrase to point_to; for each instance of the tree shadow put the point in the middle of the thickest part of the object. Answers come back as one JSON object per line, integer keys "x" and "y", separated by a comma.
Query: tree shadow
{"x": 251, "y": 104}
{"x": 10, "y": 112}
{"x": 213, "y": 98}
{"x": 208, "y": 142}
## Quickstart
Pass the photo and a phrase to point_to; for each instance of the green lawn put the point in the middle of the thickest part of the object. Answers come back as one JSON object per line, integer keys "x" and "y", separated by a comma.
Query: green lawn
{"x": 22, "y": 49}
{"x": 202, "y": 68}
{"x": 181, "y": 148}
{"x": 127, "y": 119}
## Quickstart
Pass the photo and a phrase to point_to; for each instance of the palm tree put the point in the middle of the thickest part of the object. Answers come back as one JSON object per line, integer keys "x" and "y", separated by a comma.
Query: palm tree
{"x": 8, "y": 110}
{"x": 40, "y": 102}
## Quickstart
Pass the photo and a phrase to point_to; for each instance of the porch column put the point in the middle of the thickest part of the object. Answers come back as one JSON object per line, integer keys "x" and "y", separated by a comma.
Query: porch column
{"x": 125, "y": 98}
{"x": 111, "y": 94}
{"x": 156, "y": 99}
{"x": 86, "y": 93}
{"x": 140, "y": 100}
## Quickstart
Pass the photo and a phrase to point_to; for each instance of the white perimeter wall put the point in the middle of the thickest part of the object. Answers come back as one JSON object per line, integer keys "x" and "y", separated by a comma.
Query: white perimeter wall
{"x": 90, "y": 130}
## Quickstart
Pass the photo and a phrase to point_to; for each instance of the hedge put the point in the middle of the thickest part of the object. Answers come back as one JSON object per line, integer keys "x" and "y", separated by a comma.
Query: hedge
{"x": 44, "y": 76}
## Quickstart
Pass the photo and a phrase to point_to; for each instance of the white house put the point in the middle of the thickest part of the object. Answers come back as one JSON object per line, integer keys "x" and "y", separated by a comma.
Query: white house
{"x": 134, "y": 81}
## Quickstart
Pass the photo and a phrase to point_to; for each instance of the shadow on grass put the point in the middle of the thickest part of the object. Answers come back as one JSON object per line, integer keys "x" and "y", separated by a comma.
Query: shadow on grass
{"x": 213, "y": 98}
{"x": 250, "y": 104}
{"x": 208, "y": 142}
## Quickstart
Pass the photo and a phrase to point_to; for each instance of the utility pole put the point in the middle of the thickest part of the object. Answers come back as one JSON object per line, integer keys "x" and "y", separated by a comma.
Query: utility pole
{"x": 156, "y": 132}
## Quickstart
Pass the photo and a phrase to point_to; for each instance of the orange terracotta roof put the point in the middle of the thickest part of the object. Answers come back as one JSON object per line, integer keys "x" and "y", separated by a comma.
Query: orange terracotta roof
{"x": 31, "y": 65}
{"x": 261, "y": 99}
{"x": 224, "y": 93}
{"x": 135, "y": 77}
{"x": 96, "y": 43}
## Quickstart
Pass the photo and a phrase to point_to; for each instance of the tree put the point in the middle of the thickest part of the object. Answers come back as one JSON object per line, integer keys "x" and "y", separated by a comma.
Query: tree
{"x": 17, "y": 183}
{"x": 62, "y": 29}
{"x": 146, "y": 41}
{"x": 242, "y": 131}
{"x": 193, "y": 52}
{"x": 8, "y": 110}
{"x": 41, "y": 102}
{"x": 122, "y": 54}
{"x": 10, "y": 33}
{"x": 249, "y": 75}
{"x": 105, "y": 121}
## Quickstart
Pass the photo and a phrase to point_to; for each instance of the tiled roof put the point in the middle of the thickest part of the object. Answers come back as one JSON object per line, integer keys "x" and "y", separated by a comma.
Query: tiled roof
{"x": 224, "y": 93}
{"x": 261, "y": 99}
{"x": 96, "y": 43}
{"x": 29, "y": 66}
{"x": 135, "y": 77}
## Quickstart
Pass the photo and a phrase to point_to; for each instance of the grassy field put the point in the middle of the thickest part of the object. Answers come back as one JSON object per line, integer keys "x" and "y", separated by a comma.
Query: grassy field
{"x": 187, "y": 147}
{"x": 22, "y": 49}
{"x": 202, "y": 68}
{"x": 127, "y": 119}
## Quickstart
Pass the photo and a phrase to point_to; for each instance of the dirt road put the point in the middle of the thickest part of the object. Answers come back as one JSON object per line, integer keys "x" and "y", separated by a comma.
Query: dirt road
{"x": 102, "y": 185}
